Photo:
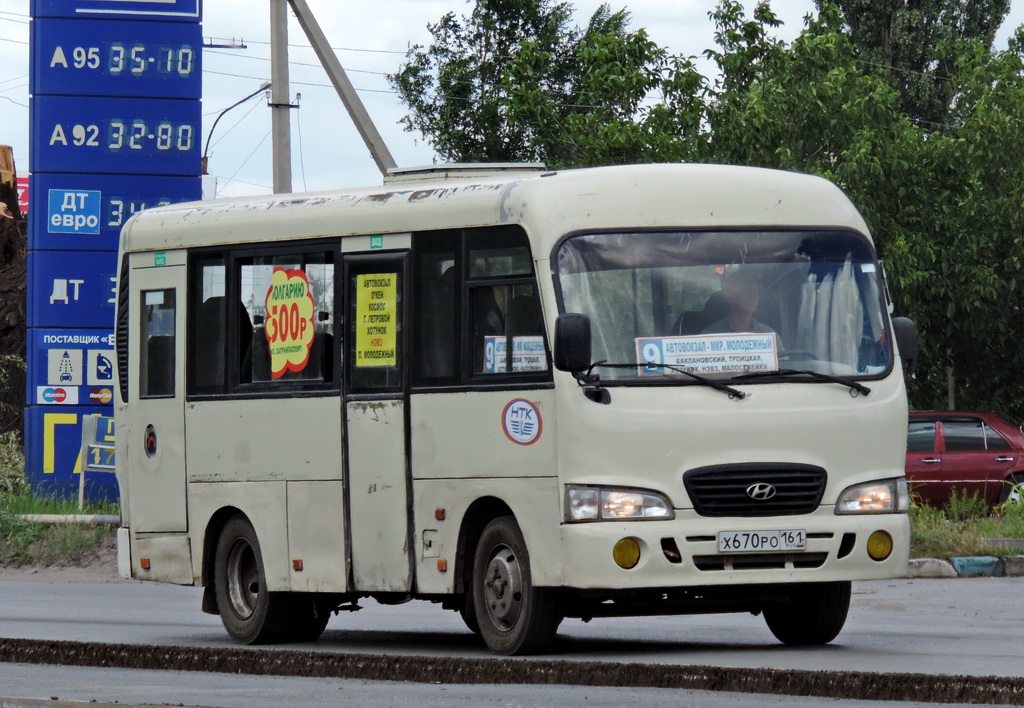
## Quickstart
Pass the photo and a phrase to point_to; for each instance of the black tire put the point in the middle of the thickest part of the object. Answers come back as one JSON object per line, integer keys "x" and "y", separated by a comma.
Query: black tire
{"x": 814, "y": 614}
{"x": 250, "y": 613}
{"x": 308, "y": 617}
{"x": 468, "y": 614}
{"x": 1013, "y": 490}
{"x": 514, "y": 617}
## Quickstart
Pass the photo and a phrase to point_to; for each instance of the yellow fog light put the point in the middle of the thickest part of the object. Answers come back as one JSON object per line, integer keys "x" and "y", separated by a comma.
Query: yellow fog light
{"x": 626, "y": 553}
{"x": 879, "y": 545}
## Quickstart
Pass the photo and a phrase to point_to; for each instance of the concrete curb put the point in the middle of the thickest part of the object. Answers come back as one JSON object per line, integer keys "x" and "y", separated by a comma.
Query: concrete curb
{"x": 85, "y": 519}
{"x": 969, "y": 567}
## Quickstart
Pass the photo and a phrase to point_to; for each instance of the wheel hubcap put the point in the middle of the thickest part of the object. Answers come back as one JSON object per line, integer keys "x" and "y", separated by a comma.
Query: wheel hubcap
{"x": 243, "y": 579}
{"x": 503, "y": 588}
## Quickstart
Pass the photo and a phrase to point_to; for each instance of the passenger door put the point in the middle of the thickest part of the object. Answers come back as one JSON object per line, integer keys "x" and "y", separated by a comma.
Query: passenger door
{"x": 155, "y": 432}
{"x": 376, "y": 403}
{"x": 976, "y": 459}
{"x": 924, "y": 463}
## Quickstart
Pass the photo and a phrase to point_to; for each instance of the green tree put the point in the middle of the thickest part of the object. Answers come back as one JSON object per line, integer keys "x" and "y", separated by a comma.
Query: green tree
{"x": 915, "y": 44}
{"x": 514, "y": 81}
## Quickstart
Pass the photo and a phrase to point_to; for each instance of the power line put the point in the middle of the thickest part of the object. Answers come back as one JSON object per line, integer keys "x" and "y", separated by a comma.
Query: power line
{"x": 293, "y": 83}
{"x": 291, "y": 63}
{"x": 337, "y": 49}
{"x": 258, "y": 146}
{"x": 13, "y": 41}
{"x": 16, "y": 103}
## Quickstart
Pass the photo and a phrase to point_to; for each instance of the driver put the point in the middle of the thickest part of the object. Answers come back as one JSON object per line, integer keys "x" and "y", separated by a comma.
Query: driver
{"x": 742, "y": 293}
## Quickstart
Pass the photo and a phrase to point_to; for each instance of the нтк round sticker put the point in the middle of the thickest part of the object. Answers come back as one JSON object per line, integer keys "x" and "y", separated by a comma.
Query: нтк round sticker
{"x": 522, "y": 422}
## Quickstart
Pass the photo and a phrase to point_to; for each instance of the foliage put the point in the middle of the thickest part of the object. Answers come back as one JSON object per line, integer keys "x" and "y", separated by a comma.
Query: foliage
{"x": 16, "y": 536}
{"x": 12, "y": 466}
{"x": 513, "y": 81}
{"x": 963, "y": 506}
{"x": 913, "y": 46}
{"x": 1011, "y": 514}
{"x": 961, "y": 528}
{"x": 12, "y": 390}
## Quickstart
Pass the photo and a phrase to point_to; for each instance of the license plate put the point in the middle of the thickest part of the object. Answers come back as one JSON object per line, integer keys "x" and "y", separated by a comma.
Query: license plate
{"x": 762, "y": 541}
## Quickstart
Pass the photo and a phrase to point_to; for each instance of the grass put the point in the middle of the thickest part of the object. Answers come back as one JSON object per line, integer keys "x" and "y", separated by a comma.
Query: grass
{"x": 961, "y": 527}
{"x": 28, "y": 543}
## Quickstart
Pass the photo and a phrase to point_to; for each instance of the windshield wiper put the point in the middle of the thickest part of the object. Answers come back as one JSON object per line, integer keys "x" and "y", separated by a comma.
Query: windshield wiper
{"x": 702, "y": 380}
{"x": 853, "y": 385}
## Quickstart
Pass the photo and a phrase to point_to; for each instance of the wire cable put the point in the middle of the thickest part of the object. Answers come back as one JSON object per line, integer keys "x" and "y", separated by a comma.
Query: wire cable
{"x": 258, "y": 146}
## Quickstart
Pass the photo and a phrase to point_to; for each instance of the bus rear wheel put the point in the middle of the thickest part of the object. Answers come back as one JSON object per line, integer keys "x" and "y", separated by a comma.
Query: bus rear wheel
{"x": 814, "y": 613}
{"x": 514, "y": 617}
{"x": 250, "y": 613}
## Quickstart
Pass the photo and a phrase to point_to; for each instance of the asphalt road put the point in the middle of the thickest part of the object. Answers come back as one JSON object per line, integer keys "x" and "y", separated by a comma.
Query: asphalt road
{"x": 970, "y": 627}
{"x": 63, "y": 687}
{"x": 931, "y": 626}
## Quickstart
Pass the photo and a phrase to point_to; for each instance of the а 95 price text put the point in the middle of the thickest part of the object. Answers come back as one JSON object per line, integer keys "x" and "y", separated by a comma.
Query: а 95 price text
{"x": 121, "y": 59}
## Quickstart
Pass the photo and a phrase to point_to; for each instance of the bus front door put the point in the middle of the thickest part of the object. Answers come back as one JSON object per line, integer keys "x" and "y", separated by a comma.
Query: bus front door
{"x": 155, "y": 436}
{"x": 378, "y": 487}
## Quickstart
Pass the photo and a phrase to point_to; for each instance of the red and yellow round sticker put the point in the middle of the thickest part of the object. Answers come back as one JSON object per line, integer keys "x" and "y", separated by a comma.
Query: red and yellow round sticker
{"x": 289, "y": 330}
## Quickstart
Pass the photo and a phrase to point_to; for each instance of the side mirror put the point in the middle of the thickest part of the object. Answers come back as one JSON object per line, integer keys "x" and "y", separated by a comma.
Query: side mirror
{"x": 572, "y": 342}
{"x": 906, "y": 340}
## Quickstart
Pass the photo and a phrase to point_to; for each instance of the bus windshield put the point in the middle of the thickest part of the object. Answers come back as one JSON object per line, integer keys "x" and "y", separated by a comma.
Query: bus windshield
{"x": 726, "y": 304}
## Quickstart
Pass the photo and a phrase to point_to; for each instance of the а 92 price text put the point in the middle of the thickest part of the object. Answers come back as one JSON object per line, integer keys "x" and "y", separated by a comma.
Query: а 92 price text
{"x": 135, "y": 135}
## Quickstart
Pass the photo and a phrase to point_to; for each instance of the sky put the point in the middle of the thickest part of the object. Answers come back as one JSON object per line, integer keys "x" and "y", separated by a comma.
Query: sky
{"x": 370, "y": 38}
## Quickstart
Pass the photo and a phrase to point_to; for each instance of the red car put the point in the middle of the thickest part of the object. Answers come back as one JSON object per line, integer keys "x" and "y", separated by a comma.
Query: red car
{"x": 973, "y": 452}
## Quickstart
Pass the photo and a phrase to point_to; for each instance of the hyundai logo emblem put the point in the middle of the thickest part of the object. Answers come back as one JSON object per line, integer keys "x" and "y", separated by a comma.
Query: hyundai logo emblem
{"x": 762, "y": 491}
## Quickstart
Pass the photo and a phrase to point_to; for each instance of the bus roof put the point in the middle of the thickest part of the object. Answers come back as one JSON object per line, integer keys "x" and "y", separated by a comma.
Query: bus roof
{"x": 547, "y": 204}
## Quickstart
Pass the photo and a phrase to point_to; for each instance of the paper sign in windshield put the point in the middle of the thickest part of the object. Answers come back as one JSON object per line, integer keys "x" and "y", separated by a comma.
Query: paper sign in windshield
{"x": 376, "y": 319}
{"x": 289, "y": 328}
{"x": 527, "y": 354}
{"x": 708, "y": 354}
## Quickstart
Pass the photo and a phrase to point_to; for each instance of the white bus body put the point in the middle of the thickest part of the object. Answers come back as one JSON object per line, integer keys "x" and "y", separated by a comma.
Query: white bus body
{"x": 317, "y": 403}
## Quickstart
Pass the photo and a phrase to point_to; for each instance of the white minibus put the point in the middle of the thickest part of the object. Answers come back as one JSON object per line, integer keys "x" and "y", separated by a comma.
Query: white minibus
{"x": 525, "y": 395}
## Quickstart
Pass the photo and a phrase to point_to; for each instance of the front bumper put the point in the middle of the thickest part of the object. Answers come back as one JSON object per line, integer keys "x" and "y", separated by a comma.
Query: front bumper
{"x": 683, "y": 552}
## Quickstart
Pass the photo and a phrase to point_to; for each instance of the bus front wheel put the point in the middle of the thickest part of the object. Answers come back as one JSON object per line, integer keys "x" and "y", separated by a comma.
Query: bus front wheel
{"x": 250, "y": 613}
{"x": 514, "y": 616}
{"x": 814, "y": 613}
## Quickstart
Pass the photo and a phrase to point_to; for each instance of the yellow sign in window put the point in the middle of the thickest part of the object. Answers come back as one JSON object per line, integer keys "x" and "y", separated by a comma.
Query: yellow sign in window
{"x": 376, "y": 319}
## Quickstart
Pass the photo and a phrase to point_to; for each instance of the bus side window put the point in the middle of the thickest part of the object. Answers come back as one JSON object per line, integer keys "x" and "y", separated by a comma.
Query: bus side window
{"x": 207, "y": 331}
{"x": 437, "y": 308}
{"x": 158, "y": 337}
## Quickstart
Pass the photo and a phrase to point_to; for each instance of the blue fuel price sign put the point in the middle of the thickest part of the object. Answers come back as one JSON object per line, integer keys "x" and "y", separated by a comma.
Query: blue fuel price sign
{"x": 127, "y": 136}
{"x": 152, "y": 10}
{"x": 131, "y": 59}
{"x": 72, "y": 289}
{"x": 54, "y": 465}
{"x": 86, "y": 212}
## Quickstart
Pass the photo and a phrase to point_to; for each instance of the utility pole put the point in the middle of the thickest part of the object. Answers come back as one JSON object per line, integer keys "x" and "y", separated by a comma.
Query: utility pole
{"x": 280, "y": 97}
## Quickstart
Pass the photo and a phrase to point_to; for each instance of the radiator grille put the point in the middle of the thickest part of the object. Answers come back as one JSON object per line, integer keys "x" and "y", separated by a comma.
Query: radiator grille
{"x": 732, "y": 490}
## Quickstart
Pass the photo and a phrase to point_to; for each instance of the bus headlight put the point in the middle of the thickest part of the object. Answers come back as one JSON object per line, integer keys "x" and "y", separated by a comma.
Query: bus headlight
{"x": 610, "y": 504}
{"x": 888, "y": 496}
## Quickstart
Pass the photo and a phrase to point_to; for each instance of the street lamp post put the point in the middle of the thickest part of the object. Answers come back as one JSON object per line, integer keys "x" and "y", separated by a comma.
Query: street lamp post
{"x": 206, "y": 147}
